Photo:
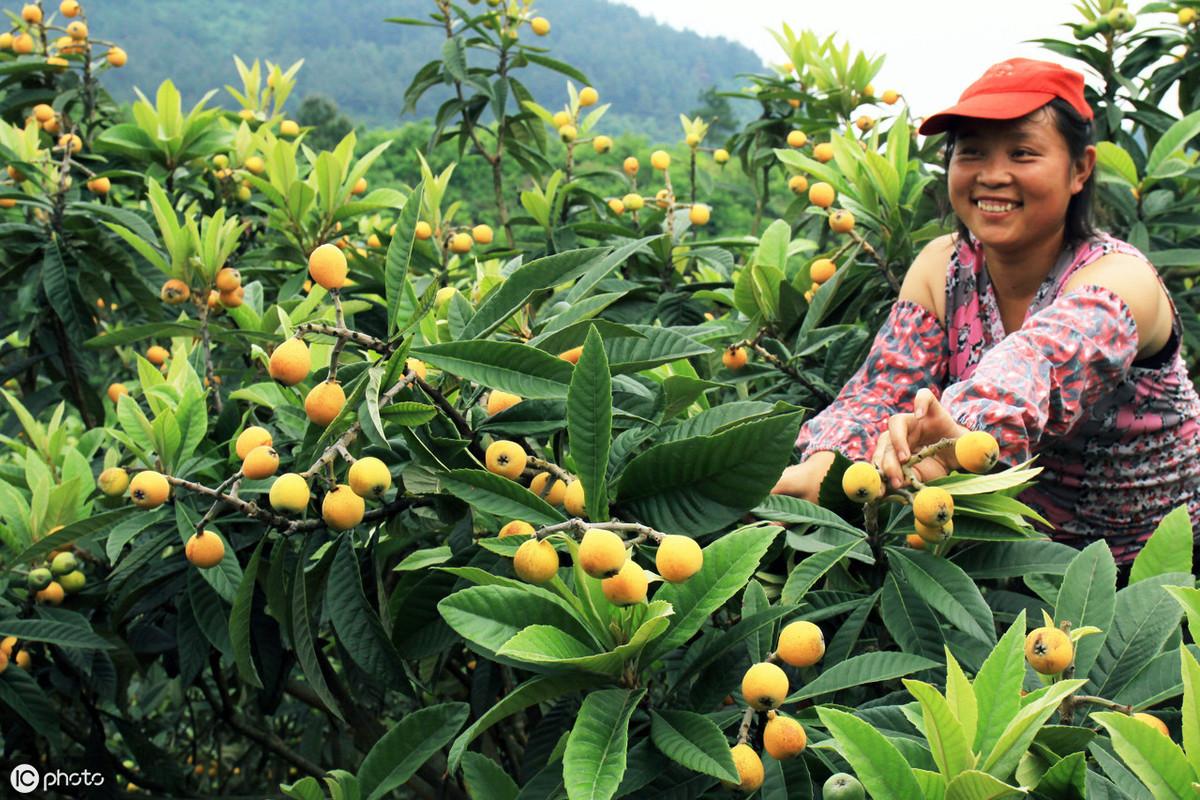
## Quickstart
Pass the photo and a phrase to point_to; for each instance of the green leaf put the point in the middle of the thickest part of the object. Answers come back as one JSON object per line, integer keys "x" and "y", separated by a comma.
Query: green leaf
{"x": 1066, "y": 779}
{"x": 1088, "y": 597}
{"x": 729, "y": 562}
{"x": 589, "y": 423}
{"x": 487, "y": 780}
{"x": 399, "y": 255}
{"x": 544, "y": 644}
{"x": 62, "y": 634}
{"x": 961, "y": 697}
{"x": 1155, "y": 759}
{"x": 594, "y": 760}
{"x": 860, "y": 670}
{"x": 704, "y": 483}
{"x": 81, "y": 528}
{"x": 305, "y": 593}
{"x": 411, "y": 742}
{"x": 796, "y": 511}
{"x": 239, "y": 619}
{"x": 495, "y": 494}
{"x": 489, "y": 616}
{"x": 655, "y": 346}
{"x": 1172, "y": 141}
{"x": 998, "y": 685}
{"x": 21, "y": 693}
{"x": 974, "y": 785}
{"x": 539, "y": 689}
{"x": 356, "y": 622}
{"x": 1020, "y": 731}
{"x": 694, "y": 741}
{"x": 1169, "y": 548}
{"x": 945, "y": 734}
{"x": 875, "y": 760}
{"x": 1144, "y": 620}
{"x": 1113, "y": 159}
{"x": 1190, "y": 669}
{"x": 508, "y": 366}
{"x": 947, "y": 588}
{"x": 1189, "y": 598}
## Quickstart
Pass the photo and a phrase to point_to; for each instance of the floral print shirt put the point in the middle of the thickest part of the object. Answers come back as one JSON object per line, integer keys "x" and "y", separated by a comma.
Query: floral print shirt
{"x": 1118, "y": 439}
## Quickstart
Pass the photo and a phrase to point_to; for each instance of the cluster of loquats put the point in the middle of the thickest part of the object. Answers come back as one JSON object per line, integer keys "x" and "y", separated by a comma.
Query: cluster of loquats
{"x": 37, "y": 35}
{"x": 14, "y": 652}
{"x": 699, "y": 214}
{"x": 932, "y": 506}
{"x": 60, "y": 576}
{"x": 765, "y": 687}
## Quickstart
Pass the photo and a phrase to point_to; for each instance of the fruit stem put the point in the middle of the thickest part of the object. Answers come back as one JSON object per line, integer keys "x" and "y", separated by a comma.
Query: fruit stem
{"x": 360, "y": 339}
{"x": 892, "y": 280}
{"x": 206, "y": 345}
{"x": 922, "y": 454}
{"x": 744, "y": 728}
{"x": 577, "y": 525}
{"x": 340, "y": 344}
{"x": 542, "y": 464}
{"x": 782, "y": 366}
{"x": 1101, "y": 701}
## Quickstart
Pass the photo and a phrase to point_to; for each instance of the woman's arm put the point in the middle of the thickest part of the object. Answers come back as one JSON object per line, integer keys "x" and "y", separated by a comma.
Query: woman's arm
{"x": 910, "y": 351}
{"x": 1040, "y": 380}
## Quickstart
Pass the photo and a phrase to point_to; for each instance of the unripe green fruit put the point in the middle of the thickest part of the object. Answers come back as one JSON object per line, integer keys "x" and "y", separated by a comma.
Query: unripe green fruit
{"x": 73, "y": 581}
{"x": 39, "y": 578}
{"x": 63, "y": 563}
{"x": 843, "y": 786}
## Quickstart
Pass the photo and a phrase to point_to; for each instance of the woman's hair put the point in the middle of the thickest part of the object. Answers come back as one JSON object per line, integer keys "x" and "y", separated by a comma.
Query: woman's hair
{"x": 1078, "y": 133}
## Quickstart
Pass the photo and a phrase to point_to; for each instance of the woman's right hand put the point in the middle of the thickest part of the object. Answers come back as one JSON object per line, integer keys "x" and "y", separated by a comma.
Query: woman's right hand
{"x": 804, "y": 480}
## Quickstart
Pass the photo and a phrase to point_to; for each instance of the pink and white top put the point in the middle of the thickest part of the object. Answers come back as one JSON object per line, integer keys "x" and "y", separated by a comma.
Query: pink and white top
{"x": 1119, "y": 439}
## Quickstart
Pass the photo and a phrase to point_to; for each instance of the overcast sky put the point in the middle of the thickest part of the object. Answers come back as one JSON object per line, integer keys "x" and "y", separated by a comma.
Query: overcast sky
{"x": 934, "y": 48}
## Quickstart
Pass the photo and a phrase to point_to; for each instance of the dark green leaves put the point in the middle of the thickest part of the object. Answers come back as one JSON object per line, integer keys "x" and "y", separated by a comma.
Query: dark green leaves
{"x": 589, "y": 423}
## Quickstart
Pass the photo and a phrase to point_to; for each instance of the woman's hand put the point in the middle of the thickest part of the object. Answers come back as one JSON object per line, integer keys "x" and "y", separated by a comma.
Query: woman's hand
{"x": 928, "y": 423}
{"x": 804, "y": 480}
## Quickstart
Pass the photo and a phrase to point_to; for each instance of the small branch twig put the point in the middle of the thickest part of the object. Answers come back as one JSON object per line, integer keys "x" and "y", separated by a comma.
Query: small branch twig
{"x": 925, "y": 452}
{"x": 744, "y": 728}
{"x": 347, "y": 334}
{"x": 577, "y": 525}
{"x": 542, "y": 465}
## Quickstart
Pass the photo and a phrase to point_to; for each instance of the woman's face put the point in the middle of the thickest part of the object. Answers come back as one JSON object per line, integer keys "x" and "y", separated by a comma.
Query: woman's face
{"x": 1011, "y": 180}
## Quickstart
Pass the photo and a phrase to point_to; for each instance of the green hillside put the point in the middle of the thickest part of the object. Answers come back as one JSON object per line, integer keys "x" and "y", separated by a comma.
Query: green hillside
{"x": 649, "y": 71}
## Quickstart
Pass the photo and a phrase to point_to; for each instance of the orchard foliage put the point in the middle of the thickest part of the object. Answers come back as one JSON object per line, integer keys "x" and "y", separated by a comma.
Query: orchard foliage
{"x": 316, "y": 485}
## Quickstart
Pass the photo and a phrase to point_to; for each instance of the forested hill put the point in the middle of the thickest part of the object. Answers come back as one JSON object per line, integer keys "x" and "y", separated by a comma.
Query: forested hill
{"x": 351, "y": 55}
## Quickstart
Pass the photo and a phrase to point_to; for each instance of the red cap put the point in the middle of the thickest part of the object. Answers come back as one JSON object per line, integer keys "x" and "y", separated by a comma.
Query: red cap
{"x": 1012, "y": 89}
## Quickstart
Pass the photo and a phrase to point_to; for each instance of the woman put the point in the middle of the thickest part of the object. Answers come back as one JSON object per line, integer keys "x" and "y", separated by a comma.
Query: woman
{"x": 1058, "y": 340}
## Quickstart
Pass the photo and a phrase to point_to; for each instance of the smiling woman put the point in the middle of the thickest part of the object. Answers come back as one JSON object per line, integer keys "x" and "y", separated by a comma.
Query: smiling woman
{"x": 1059, "y": 340}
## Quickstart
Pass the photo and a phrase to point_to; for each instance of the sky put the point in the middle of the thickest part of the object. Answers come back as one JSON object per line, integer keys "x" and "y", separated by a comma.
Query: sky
{"x": 934, "y": 48}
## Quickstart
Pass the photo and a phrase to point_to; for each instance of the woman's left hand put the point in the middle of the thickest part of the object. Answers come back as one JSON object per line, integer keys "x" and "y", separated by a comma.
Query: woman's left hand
{"x": 928, "y": 423}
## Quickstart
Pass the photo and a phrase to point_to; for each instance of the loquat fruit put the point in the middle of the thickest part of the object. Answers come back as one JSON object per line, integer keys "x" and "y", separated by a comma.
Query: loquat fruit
{"x": 228, "y": 279}
{"x": 692, "y": 140}
{"x": 157, "y": 355}
{"x": 1153, "y": 722}
{"x": 749, "y": 769}
{"x": 99, "y": 185}
{"x": 765, "y": 685}
{"x": 324, "y": 402}
{"x": 734, "y": 358}
{"x": 116, "y": 57}
{"x": 933, "y": 506}
{"x": 290, "y": 362}
{"x": 38, "y": 579}
{"x": 536, "y": 561}
{"x": 289, "y": 128}
{"x": 588, "y": 96}
{"x": 933, "y": 534}
{"x": 822, "y": 270}
{"x": 327, "y": 266}
{"x": 204, "y": 549}
{"x": 23, "y": 45}
{"x": 416, "y": 365}
{"x": 52, "y": 594}
{"x": 915, "y": 541}
{"x": 289, "y": 493}
{"x": 31, "y": 13}
{"x": 977, "y": 451}
{"x": 369, "y": 477}
{"x": 261, "y": 462}
{"x": 113, "y": 482}
{"x": 628, "y": 587}
{"x": 232, "y": 298}
{"x": 73, "y": 581}
{"x": 1048, "y": 650}
{"x": 890, "y": 96}
{"x": 678, "y": 558}
{"x": 23, "y": 659}
{"x": 500, "y": 401}
{"x": 43, "y": 112}
{"x": 864, "y": 123}
{"x": 630, "y": 166}
{"x": 252, "y": 437}
{"x": 63, "y": 563}
{"x": 555, "y": 491}
{"x": 616, "y": 206}
{"x": 783, "y": 737}
{"x": 602, "y": 553}
{"x": 482, "y": 234}
{"x": 342, "y": 509}
{"x": 572, "y": 355}
{"x": 823, "y": 152}
{"x": 116, "y": 390}
{"x": 6, "y": 40}
{"x": 821, "y": 194}
{"x": 460, "y": 243}
{"x": 841, "y": 221}
{"x": 568, "y": 133}
{"x": 505, "y": 458}
{"x": 174, "y": 292}
{"x": 699, "y": 214}
{"x": 561, "y": 118}
{"x": 574, "y": 500}
{"x": 423, "y": 230}
{"x": 721, "y": 155}
{"x": 7, "y": 644}
{"x": 540, "y": 25}
{"x": 633, "y": 201}
{"x": 70, "y": 141}
{"x": 77, "y": 30}
{"x": 797, "y": 138}
{"x": 69, "y": 8}
{"x": 663, "y": 198}
{"x": 843, "y": 786}
{"x": 862, "y": 482}
{"x": 518, "y": 527}
{"x": 801, "y": 644}
{"x": 149, "y": 489}
{"x": 660, "y": 159}
{"x": 602, "y": 144}
{"x": 798, "y": 184}
{"x": 360, "y": 187}
{"x": 255, "y": 165}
